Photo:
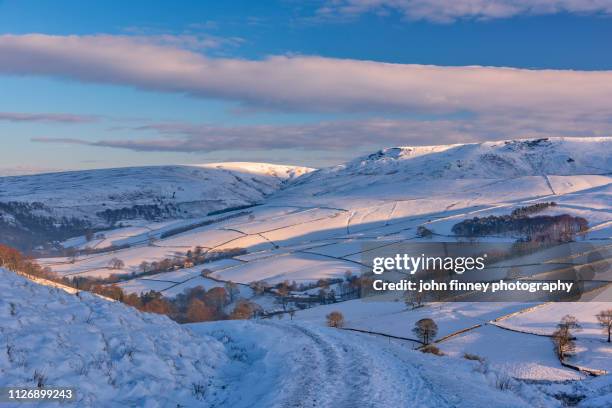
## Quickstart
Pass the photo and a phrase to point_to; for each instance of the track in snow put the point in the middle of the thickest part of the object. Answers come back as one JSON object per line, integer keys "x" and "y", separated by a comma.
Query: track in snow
{"x": 338, "y": 369}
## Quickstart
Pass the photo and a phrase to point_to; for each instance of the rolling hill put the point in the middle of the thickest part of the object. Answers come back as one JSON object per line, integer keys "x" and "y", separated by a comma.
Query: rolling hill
{"x": 48, "y": 207}
{"x": 317, "y": 229}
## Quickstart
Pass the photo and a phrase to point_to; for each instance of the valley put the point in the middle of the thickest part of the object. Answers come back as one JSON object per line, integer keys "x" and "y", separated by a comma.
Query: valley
{"x": 294, "y": 242}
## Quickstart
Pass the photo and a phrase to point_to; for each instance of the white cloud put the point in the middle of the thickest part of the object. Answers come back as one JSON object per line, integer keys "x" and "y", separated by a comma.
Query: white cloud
{"x": 492, "y": 102}
{"x": 445, "y": 11}
{"x": 309, "y": 83}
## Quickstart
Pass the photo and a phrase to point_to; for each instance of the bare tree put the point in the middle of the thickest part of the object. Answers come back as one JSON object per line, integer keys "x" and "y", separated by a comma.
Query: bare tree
{"x": 426, "y": 330}
{"x": 563, "y": 338}
{"x": 243, "y": 310}
{"x": 322, "y": 296}
{"x": 413, "y": 299}
{"x": 232, "y": 290}
{"x": 116, "y": 263}
{"x": 72, "y": 254}
{"x": 283, "y": 288}
{"x": 335, "y": 319}
{"x": 258, "y": 287}
{"x": 563, "y": 342}
{"x": 569, "y": 322}
{"x": 365, "y": 285}
{"x": 605, "y": 321}
{"x": 283, "y": 292}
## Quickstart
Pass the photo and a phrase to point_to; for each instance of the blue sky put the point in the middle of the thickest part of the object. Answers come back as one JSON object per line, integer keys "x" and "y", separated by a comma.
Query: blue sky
{"x": 285, "y": 81}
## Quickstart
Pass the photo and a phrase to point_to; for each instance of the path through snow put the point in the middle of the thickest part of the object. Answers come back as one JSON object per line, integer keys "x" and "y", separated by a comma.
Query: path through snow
{"x": 303, "y": 366}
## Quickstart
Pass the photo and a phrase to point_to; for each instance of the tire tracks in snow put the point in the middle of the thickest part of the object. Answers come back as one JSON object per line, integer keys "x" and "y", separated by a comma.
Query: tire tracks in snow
{"x": 339, "y": 370}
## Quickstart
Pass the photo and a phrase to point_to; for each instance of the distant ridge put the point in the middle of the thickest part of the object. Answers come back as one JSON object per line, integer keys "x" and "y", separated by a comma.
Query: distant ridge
{"x": 499, "y": 159}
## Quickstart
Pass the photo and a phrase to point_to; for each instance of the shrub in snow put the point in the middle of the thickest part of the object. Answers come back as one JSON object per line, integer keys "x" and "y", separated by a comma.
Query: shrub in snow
{"x": 473, "y": 357}
{"x": 431, "y": 349}
{"x": 503, "y": 381}
{"x": 335, "y": 319}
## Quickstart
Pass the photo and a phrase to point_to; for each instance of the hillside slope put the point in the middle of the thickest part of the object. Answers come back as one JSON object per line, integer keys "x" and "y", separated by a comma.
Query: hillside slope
{"x": 454, "y": 176}
{"x": 58, "y": 205}
{"x": 112, "y": 354}
{"x": 502, "y": 159}
{"x": 117, "y": 357}
{"x": 212, "y": 185}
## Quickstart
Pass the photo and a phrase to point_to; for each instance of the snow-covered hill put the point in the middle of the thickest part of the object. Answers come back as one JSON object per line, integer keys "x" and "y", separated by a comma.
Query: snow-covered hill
{"x": 316, "y": 226}
{"x": 115, "y": 356}
{"x": 112, "y": 354}
{"x": 203, "y": 188}
{"x": 503, "y": 159}
{"x": 319, "y": 226}
{"x": 95, "y": 199}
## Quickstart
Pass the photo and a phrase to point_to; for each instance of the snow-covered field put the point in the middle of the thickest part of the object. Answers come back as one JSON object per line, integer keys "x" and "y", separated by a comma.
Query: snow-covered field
{"x": 319, "y": 226}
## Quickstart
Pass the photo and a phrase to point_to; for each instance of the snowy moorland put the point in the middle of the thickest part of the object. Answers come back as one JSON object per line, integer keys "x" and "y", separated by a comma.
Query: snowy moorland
{"x": 317, "y": 230}
{"x": 99, "y": 199}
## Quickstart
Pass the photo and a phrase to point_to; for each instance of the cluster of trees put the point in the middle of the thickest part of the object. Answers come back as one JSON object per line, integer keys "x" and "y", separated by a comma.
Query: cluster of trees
{"x": 543, "y": 228}
{"x": 190, "y": 259}
{"x": 531, "y": 209}
{"x": 199, "y": 305}
{"x": 195, "y": 305}
{"x": 304, "y": 286}
{"x": 73, "y": 253}
{"x": 284, "y": 290}
{"x": 25, "y": 227}
{"x": 164, "y": 265}
{"x": 14, "y": 260}
{"x": 198, "y": 256}
{"x": 151, "y": 212}
{"x": 563, "y": 338}
{"x": 354, "y": 287}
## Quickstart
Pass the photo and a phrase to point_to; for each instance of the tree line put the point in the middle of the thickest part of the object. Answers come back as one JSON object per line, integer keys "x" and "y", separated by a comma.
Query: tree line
{"x": 194, "y": 305}
{"x": 541, "y": 228}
